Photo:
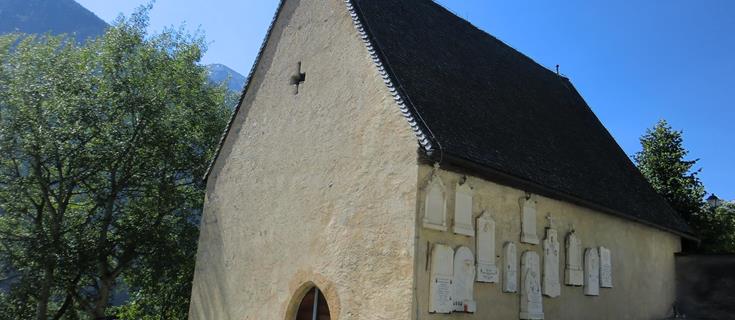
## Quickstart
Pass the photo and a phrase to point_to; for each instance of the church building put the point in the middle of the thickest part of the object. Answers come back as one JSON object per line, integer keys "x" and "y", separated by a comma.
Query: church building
{"x": 389, "y": 160}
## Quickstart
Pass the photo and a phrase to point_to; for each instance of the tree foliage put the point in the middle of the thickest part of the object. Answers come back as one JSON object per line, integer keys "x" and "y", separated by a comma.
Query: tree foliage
{"x": 716, "y": 227}
{"x": 102, "y": 150}
{"x": 662, "y": 161}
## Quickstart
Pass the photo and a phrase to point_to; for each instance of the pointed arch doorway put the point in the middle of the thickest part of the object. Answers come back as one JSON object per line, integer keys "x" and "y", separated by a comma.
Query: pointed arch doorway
{"x": 313, "y": 306}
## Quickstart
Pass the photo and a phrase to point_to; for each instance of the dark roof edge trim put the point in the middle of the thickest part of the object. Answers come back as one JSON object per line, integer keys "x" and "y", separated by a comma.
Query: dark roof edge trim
{"x": 413, "y": 119}
{"x": 461, "y": 165}
{"x": 244, "y": 91}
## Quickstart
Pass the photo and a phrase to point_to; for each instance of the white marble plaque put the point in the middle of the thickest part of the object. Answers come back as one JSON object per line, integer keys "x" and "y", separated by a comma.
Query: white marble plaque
{"x": 551, "y": 285}
{"x": 605, "y": 268}
{"x": 487, "y": 270}
{"x": 531, "y": 300}
{"x": 573, "y": 273}
{"x": 528, "y": 220}
{"x": 463, "y": 210}
{"x": 591, "y": 272}
{"x": 442, "y": 273}
{"x": 510, "y": 268}
{"x": 464, "y": 280}
{"x": 435, "y": 206}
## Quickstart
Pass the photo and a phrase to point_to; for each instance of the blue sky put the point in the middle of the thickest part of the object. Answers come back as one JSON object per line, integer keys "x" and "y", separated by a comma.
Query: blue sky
{"x": 634, "y": 62}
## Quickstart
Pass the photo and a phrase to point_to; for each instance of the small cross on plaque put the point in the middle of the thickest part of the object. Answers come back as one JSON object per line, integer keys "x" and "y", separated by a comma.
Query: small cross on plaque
{"x": 551, "y": 220}
{"x": 298, "y": 78}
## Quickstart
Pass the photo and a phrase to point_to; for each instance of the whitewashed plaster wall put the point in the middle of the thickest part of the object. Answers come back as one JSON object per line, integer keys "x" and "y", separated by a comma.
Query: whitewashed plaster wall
{"x": 316, "y": 187}
{"x": 642, "y": 257}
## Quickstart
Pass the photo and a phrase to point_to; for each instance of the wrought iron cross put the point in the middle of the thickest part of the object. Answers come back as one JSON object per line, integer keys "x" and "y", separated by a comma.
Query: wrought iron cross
{"x": 298, "y": 78}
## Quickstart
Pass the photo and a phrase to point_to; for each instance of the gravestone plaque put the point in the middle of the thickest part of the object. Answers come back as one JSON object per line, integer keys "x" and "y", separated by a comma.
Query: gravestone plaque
{"x": 463, "y": 210}
{"x": 442, "y": 273}
{"x": 573, "y": 273}
{"x": 487, "y": 271}
{"x": 464, "y": 280}
{"x": 591, "y": 272}
{"x": 605, "y": 268}
{"x": 551, "y": 285}
{"x": 510, "y": 268}
{"x": 435, "y": 205}
{"x": 528, "y": 220}
{"x": 531, "y": 300}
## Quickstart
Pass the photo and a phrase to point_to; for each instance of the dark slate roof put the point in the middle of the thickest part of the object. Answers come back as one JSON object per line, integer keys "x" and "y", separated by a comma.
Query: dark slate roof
{"x": 485, "y": 104}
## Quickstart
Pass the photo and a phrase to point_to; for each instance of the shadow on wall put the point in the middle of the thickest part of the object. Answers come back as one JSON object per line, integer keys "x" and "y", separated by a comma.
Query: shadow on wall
{"x": 705, "y": 286}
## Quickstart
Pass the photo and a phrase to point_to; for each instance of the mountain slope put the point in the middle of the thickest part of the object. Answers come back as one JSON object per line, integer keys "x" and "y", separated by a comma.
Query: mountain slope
{"x": 219, "y": 73}
{"x": 69, "y": 17}
{"x": 55, "y": 16}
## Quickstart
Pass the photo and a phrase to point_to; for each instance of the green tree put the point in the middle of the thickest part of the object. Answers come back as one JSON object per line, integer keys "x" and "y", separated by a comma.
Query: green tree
{"x": 662, "y": 162}
{"x": 716, "y": 227}
{"x": 102, "y": 150}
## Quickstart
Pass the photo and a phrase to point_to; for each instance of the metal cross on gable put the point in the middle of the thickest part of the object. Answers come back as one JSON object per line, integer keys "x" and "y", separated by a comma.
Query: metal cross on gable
{"x": 298, "y": 78}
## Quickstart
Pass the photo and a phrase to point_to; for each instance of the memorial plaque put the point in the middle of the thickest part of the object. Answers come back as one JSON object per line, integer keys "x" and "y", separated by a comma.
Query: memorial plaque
{"x": 573, "y": 273}
{"x": 591, "y": 272}
{"x": 551, "y": 285}
{"x": 531, "y": 299}
{"x": 463, "y": 210}
{"x": 435, "y": 205}
{"x": 510, "y": 268}
{"x": 442, "y": 273}
{"x": 464, "y": 280}
{"x": 605, "y": 268}
{"x": 487, "y": 270}
{"x": 528, "y": 220}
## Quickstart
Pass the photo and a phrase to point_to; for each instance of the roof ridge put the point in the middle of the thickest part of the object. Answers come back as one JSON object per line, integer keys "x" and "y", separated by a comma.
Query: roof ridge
{"x": 467, "y": 21}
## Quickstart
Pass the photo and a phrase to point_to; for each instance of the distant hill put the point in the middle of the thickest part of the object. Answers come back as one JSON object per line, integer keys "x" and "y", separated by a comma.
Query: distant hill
{"x": 219, "y": 73}
{"x": 69, "y": 17}
{"x": 55, "y": 16}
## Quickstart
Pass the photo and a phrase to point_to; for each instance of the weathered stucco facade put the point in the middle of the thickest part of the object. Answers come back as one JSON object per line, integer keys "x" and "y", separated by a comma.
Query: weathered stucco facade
{"x": 316, "y": 187}
{"x": 642, "y": 256}
{"x": 325, "y": 188}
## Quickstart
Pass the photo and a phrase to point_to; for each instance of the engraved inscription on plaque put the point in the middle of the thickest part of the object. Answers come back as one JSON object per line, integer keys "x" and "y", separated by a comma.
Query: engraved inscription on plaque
{"x": 442, "y": 273}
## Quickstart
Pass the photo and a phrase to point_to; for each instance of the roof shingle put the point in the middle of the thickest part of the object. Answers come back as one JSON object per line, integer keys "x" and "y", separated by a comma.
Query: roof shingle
{"x": 482, "y": 101}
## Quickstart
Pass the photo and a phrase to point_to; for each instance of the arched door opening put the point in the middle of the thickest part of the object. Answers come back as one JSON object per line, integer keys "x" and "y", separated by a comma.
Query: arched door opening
{"x": 313, "y": 306}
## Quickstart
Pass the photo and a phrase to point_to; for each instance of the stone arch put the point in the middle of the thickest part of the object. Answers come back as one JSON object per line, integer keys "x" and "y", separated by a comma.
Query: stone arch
{"x": 326, "y": 290}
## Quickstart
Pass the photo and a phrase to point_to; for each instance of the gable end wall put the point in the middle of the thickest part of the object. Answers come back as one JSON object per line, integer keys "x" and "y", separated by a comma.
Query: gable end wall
{"x": 316, "y": 188}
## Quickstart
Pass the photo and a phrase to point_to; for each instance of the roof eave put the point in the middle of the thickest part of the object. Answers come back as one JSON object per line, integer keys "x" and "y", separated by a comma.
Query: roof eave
{"x": 462, "y": 165}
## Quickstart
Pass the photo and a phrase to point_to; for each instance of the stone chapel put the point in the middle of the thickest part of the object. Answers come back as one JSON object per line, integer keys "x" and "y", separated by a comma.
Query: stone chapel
{"x": 389, "y": 160}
